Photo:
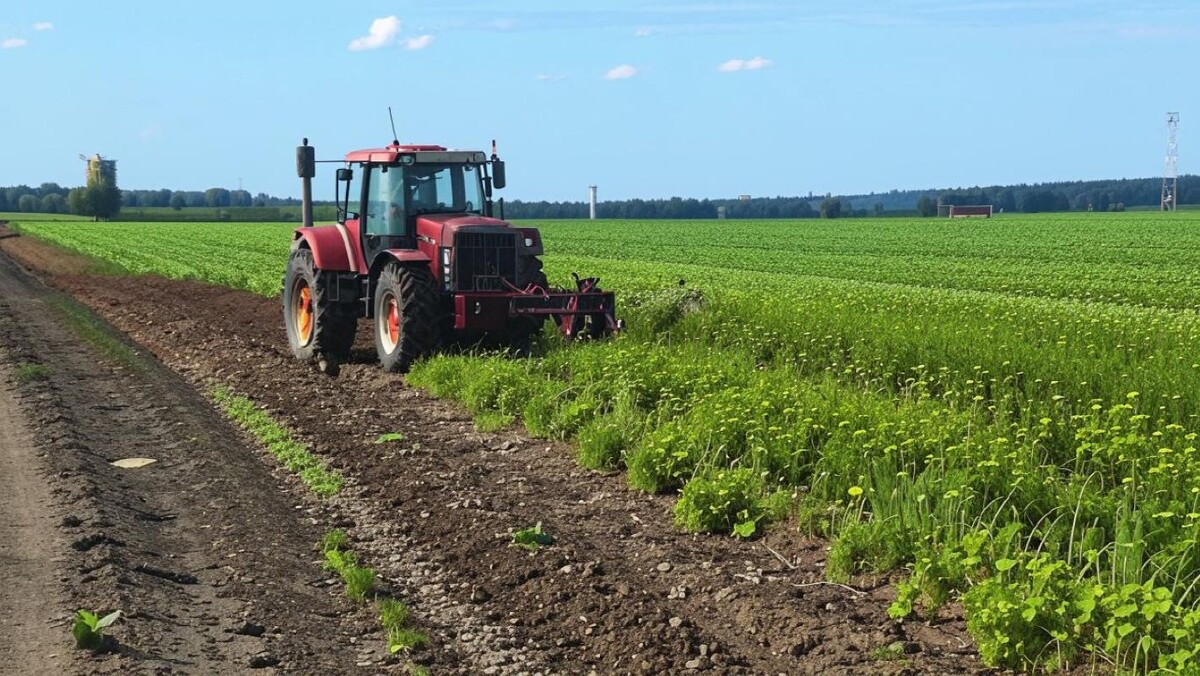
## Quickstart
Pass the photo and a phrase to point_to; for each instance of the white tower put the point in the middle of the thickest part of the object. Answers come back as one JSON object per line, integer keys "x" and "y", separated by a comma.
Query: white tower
{"x": 592, "y": 202}
{"x": 1170, "y": 182}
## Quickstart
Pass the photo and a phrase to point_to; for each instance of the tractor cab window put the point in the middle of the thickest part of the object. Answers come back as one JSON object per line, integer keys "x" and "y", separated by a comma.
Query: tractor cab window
{"x": 443, "y": 188}
{"x": 385, "y": 201}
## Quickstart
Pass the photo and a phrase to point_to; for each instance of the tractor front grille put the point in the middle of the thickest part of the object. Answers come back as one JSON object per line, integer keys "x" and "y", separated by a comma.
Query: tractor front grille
{"x": 481, "y": 259}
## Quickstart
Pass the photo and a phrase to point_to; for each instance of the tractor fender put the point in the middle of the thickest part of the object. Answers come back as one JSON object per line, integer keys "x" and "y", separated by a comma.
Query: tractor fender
{"x": 330, "y": 246}
{"x": 406, "y": 257}
{"x": 402, "y": 256}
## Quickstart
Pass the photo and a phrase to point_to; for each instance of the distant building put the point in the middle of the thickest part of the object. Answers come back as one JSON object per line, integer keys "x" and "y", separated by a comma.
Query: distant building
{"x": 101, "y": 171}
{"x": 743, "y": 198}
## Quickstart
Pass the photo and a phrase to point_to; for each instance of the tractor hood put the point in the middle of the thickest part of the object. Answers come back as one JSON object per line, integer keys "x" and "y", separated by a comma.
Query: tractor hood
{"x": 441, "y": 227}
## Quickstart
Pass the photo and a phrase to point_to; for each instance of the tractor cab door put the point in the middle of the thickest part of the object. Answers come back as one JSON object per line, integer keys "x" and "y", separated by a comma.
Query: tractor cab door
{"x": 385, "y": 224}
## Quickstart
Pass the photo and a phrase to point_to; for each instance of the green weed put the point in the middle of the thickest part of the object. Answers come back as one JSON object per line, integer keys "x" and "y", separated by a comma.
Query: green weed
{"x": 335, "y": 540}
{"x": 393, "y": 614}
{"x": 532, "y": 538}
{"x": 93, "y": 331}
{"x": 390, "y": 438}
{"x": 405, "y": 639}
{"x": 493, "y": 421}
{"x": 359, "y": 581}
{"x": 27, "y": 373}
{"x": 888, "y": 653}
{"x": 88, "y": 630}
{"x": 395, "y": 618}
{"x": 722, "y": 501}
{"x": 279, "y": 442}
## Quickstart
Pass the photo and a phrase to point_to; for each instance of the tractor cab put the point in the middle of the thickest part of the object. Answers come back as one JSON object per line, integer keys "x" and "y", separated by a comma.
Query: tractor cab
{"x": 386, "y": 191}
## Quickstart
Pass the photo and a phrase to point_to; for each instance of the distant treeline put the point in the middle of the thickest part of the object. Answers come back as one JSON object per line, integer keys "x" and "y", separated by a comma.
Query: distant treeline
{"x": 240, "y": 205}
{"x": 214, "y": 204}
{"x": 1105, "y": 195}
{"x": 252, "y": 214}
{"x": 675, "y": 208}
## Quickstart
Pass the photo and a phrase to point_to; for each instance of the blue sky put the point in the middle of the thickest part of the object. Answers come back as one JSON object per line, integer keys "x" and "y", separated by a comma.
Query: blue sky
{"x": 649, "y": 98}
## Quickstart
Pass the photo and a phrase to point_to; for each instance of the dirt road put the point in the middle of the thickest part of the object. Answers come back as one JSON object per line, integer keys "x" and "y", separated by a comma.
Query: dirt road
{"x": 32, "y": 605}
{"x": 621, "y": 591}
{"x": 201, "y": 550}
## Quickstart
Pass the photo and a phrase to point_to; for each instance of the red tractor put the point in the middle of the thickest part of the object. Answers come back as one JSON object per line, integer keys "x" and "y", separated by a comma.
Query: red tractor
{"x": 415, "y": 248}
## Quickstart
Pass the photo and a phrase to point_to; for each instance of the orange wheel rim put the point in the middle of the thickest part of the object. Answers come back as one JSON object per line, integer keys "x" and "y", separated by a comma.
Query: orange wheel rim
{"x": 393, "y": 320}
{"x": 304, "y": 312}
{"x": 388, "y": 322}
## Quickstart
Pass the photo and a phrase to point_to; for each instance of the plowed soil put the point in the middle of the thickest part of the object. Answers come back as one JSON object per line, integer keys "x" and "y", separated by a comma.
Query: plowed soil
{"x": 204, "y": 551}
{"x": 620, "y": 591}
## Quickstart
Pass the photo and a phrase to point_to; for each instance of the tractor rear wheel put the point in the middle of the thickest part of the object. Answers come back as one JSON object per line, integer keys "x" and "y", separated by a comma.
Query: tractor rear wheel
{"x": 406, "y": 316}
{"x": 316, "y": 326}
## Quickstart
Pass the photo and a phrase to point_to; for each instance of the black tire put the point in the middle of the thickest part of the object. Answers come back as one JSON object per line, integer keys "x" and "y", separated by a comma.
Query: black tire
{"x": 330, "y": 328}
{"x": 596, "y": 327}
{"x": 520, "y": 335}
{"x": 531, "y": 273}
{"x": 418, "y": 321}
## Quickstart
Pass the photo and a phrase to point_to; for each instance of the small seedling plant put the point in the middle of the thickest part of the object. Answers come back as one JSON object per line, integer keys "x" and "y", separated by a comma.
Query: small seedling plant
{"x": 88, "y": 630}
{"x": 532, "y": 538}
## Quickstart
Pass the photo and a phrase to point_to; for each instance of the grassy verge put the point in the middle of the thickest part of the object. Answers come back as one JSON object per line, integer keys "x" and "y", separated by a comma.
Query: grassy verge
{"x": 290, "y": 453}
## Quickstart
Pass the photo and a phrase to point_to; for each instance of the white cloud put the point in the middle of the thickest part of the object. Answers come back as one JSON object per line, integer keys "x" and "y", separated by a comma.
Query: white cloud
{"x": 381, "y": 34}
{"x": 734, "y": 65}
{"x": 551, "y": 77}
{"x": 623, "y": 72}
{"x": 43, "y": 26}
{"x": 643, "y": 33}
{"x": 13, "y": 43}
{"x": 150, "y": 133}
{"x": 419, "y": 42}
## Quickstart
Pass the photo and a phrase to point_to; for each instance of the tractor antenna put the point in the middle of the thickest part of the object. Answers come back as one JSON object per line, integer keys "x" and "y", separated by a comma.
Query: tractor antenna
{"x": 395, "y": 138}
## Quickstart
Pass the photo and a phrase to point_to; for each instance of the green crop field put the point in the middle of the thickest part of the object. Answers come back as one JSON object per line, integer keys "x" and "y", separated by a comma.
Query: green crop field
{"x": 1007, "y": 408}
{"x": 19, "y": 216}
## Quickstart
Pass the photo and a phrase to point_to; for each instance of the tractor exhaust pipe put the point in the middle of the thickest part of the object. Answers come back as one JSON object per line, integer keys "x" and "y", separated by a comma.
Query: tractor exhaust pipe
{"x": 306, "y": 168}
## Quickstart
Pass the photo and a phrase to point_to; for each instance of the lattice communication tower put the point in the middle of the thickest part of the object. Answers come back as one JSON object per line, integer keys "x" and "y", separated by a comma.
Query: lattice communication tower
{"x": 1170, "y": 183}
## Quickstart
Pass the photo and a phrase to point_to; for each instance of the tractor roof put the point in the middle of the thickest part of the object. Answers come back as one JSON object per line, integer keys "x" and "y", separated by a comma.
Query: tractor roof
{"x": 419, "y": 153}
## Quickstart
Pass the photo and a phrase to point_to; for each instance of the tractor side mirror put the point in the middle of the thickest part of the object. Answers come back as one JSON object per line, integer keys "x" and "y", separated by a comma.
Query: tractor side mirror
{"x": 306, "y": 160}
{"x": 498, "y": 174}
{"x": 344, "y": 176}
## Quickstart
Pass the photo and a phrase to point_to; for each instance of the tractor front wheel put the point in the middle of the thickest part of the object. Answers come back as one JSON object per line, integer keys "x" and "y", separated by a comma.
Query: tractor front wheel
{"x": 520, "y": 335}
{"x": 406, "y": 316}
{"x": 316, "y": 327}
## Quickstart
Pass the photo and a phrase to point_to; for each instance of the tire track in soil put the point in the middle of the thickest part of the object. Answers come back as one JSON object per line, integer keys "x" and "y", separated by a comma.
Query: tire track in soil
{"x": 621, "y": 592}
{"x": 31, "y": 603}
{"x": 196, "y": 549}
